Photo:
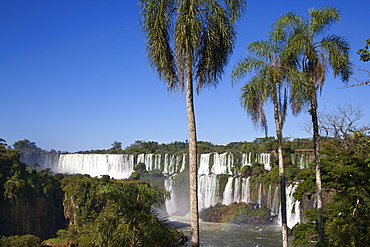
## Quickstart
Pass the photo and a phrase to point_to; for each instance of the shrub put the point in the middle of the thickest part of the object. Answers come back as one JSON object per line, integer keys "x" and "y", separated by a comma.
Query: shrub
{"x": 21, "y": 241}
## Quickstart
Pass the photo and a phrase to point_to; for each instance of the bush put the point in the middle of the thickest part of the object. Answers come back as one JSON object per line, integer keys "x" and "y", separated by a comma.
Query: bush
{"x": 21, "y": 241}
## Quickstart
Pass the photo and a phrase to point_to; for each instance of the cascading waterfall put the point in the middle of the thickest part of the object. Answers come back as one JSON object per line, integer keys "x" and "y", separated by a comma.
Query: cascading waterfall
{"x": 207, "y": 192}
{"x": 264, "y": 158}
{"x": 292, "y": 206}
{"x": 302, "y": 160}
{"x": 237, "y": 190}
{"x": 260, "y": 195}
{"x": 204, "y": 164}
{"x": 212, "y": 167}
{"x": 245, "y": 190}
{"x": 171, "y": 203}
{"x": 115, "y": 165}
{"x": 275, "y": 202}
{"x": 228, "y": 196}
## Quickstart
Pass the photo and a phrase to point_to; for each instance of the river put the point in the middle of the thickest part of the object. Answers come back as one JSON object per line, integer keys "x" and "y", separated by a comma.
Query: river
{"x": 232, "y": 235}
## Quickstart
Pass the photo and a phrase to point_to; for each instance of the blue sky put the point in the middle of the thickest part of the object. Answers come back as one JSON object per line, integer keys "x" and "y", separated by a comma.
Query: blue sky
{"x": 74, "y": 76}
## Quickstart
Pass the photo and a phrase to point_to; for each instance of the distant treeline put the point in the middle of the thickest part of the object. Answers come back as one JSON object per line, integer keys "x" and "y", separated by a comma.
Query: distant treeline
{"x": 259, "y": 145}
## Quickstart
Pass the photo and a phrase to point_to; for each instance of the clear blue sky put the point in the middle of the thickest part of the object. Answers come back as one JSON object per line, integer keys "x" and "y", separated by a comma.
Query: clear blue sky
{"x": 74, "y": 76}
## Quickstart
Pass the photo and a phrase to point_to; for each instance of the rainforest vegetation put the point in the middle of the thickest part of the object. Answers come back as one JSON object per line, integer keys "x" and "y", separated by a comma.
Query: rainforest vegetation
{"x": 95, "y": 211}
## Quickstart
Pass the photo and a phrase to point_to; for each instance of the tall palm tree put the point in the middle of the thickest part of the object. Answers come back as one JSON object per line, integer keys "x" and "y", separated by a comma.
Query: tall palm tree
{"x": 317, "y": 53}
{"x": 190, "y": 40}
{"x": 272, "y": 71}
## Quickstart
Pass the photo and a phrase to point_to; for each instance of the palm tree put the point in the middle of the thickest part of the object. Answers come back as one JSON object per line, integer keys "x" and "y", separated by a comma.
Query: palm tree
{"x": 270, "y": 82}
{"x": 331, "y": 51}
{"x": 190, "y": 40}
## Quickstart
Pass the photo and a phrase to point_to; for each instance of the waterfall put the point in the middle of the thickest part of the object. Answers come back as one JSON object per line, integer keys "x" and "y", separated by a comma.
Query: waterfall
{"x": 204, "y": 164}
{"x": 275, "y": 202}
{"x": 263, "y": 158}
{"x": 120, "y": 165}
{"x": 245, "y": 192}
{"x": 260, "y": 195}
{"x": 228, "y": 196}
{"x": 207, "y": 191}
{"x": 269, "y": 199}
{"x": 292, "y": 206}
{"x": 237, "y": 190}
{"x": 212, "y": 168}
{"x": 115, "y": 165}
{"x": 171, "y": 203}
{"x": 302, "y": 160}
{"x": 222, "y": 163}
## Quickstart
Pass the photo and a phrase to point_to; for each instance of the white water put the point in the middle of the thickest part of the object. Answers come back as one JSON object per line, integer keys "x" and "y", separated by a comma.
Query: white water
{"x": 210, "y": 165}
{"x": 293, "y": 207}
{"x": 228, "y": 192}
{"x": 115, "y": 165}
{"x": 245, "y": 191}
{"x": 207, "y": 191}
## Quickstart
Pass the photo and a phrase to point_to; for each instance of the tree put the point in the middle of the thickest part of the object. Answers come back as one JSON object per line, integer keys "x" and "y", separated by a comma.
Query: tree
{"x": 26, "y": 146}
{"x": 342, "y": 123}
{"x": 365, "y": 52}
{"x": 190, "y": 40}
{"x": 129, "y": 220}
{"x": 345, "y": 176}
{"x": 270, "y": 82}
{"x": 331, "y": 51}
{"x": 365, "y": 57}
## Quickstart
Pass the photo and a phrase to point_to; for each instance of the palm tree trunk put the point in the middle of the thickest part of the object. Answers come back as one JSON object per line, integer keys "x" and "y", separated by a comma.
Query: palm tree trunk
{"x": 284, "y": 225}
{"x": 279, "y": 133}
{"x": 316, "y": 140}
{"x": 193, "y": 173}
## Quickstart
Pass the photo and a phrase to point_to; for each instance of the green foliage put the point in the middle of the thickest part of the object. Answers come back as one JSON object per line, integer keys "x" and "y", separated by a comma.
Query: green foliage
{"x": 155, "y": 178}
{"x": 107, "y": 212}
{"x": 259, "y": 145}
{"x": 345, "y": 177}
{"x": 128, "y": 219}
{"x": 25, "y": 145}
{"x": 116, "y": 148}
{"x": 20, "y": 241}
{"x": 257, "y": 169}
{"x": 25, "y": 194}
{"x": 222, "y": 181}
{"x": 135, "y": 176}
{"x": 365, "y": 52}
{"x": 303, "y": 233}
{"x": 238, "y": 213}
{"x": 140, "y": 167}
{"x": 82, "y": 204}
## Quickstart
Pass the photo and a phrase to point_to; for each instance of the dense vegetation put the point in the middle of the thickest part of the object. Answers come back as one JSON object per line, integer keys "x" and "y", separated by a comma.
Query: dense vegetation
{"x": 346, "y": 182}
{"x": 259, "y": 145}
{"x": 30, "y": 200}
{"x": 87, "y": 211}
{"x": 92, "y": 202}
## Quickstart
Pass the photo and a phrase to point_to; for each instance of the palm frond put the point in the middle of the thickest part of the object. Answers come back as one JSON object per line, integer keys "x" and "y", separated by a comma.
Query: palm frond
{"x": 337, "y": 50}
{"x": 246, "y": 66}
{"x": 156, "y": 19}
{"x": 322, "y": 19}
{"x": 216, "y": 41}
{"x": 254, "y": 94}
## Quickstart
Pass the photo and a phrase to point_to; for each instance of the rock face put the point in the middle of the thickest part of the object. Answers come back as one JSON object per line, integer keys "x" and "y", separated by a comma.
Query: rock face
{"x": 238, "y": 213}
{"x": 41, "y": 217}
